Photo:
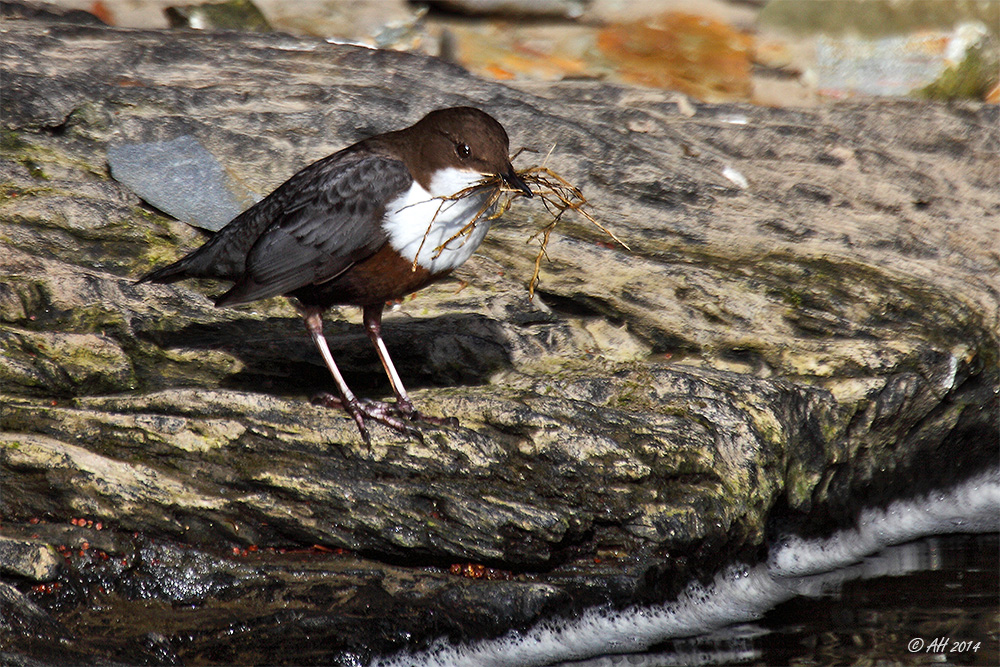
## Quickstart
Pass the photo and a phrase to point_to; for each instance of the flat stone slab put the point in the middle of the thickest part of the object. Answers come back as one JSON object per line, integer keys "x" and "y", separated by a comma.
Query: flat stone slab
{"x": 181, "y": 177}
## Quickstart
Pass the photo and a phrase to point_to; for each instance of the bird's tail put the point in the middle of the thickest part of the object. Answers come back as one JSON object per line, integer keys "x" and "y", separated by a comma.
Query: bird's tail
{"x": 168, "y": 274}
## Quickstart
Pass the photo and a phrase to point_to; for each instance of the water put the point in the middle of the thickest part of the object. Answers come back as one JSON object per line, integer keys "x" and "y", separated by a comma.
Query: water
{"x": 931, "y": 601}
{"x": 914, "y": 583}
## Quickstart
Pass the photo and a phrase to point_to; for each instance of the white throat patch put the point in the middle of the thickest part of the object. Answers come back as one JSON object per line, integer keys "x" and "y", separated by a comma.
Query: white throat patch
{"x": 408, "y": 217}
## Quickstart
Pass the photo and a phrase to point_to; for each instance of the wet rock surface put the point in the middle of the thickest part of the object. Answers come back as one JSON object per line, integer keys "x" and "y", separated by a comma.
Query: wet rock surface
{"x": 806, "y": 325}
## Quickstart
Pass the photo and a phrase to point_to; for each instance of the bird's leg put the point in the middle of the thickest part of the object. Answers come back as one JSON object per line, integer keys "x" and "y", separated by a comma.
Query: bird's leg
{"x": 314, "y": 324}
{"x": 372, "y": 316}
{"x": 354, "y": 407}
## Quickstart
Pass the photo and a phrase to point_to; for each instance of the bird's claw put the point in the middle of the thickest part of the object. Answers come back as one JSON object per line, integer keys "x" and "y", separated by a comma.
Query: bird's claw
{"x": 396, "y": 416}
{"x": 437, "y": 421}
{"x": 405, "y": 407}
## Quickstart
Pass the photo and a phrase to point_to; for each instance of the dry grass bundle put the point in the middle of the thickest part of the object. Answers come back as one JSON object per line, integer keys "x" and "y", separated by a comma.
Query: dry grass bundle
{"x": 556, "y": 193}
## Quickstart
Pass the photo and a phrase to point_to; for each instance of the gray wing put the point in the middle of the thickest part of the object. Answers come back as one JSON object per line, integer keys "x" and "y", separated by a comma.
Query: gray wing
{"x": 321, "y": 222}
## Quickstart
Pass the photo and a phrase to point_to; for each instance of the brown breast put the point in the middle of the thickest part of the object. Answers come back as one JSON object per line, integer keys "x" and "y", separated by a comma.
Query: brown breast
{"x": 384, "y": 276}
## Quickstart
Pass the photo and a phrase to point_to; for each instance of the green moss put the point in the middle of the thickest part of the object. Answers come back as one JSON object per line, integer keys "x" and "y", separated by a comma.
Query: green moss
{"x": 46, "y": 363}
{"x": 130, "y": 245}
{"x": 35, "y": 170}
{"x": 40, "y": 151}
{"x": 135, "y": 244}
{"x": 635, "y": 388}
{"x": 791, "y": 297}
{"x": 28, "y": 297}
{"x": 822, "y": 293}
{"x": 11, "y": 192}
{"x": 11, "y": 143}
{"x": 32, "y": 307}
{"x": 14, "y": 148}
{"x": 873, "y": 301}
{"x": 800, "y": 485}
{"x": 630, "y": 395}
{"x": 160, "y": 245}
{"x": 970, "y": 79}
{"x": 96, "y": 319}
{"x": 240, "y": 15}
{"x": 766, "y": 425}
{"x": 873, "y": 18}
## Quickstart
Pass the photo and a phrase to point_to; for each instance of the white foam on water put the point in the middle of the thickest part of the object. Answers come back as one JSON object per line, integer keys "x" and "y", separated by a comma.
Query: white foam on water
{"x": 973, "y": 507}
{"x": 737, "y": 595}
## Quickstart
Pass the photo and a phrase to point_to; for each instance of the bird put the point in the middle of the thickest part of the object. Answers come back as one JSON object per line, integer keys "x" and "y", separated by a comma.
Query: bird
{"x": 369, "y": 224}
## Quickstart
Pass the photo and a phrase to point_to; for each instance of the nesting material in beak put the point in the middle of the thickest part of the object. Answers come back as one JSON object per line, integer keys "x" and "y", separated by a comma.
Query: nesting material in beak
{"x": 512, "y": 179}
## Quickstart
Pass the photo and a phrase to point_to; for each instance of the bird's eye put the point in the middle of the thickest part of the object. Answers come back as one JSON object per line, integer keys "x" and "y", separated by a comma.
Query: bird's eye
{"x": 463, "y": 150}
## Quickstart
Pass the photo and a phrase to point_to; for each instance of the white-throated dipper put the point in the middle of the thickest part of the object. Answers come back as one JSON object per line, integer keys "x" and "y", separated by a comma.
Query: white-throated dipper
{"x": 362, "y": 227}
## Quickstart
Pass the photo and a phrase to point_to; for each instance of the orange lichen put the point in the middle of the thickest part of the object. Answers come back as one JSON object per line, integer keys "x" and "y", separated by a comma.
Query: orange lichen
{"x": 696, "y": 55}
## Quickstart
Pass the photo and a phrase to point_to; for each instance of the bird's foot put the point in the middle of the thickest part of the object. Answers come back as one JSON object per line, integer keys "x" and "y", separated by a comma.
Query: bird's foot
{"x": 390, "y": 414}
{"x": 405, "y": 407}
{"x": 437, "y": 421}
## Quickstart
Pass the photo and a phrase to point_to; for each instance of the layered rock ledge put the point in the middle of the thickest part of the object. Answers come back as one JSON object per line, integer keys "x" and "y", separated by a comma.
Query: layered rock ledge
{"x": 806, "y": 325}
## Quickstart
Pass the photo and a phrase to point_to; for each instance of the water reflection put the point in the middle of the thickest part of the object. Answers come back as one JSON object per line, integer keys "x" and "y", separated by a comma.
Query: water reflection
{"x": 936, "y": 588}
{"x": 814, "y": 602}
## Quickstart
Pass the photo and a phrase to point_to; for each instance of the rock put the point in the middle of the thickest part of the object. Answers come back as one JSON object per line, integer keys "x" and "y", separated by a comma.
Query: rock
{"x": 47, "y": 12}
{"x": 878, "y": 47}
{"x": 64, "y": 363}
{"x": 231, "y": 15}
{"x": 689, "y": 53}
{"x": 158, "y": 170}
{"x": 514, "y": 8}
{"x": 21, "y": 618}
{"x": 775, "y": 356}
{"x": 32, "y": 560}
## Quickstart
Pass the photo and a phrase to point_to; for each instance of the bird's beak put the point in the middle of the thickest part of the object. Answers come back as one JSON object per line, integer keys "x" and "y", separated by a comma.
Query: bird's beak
{"x": 513, "y": 180}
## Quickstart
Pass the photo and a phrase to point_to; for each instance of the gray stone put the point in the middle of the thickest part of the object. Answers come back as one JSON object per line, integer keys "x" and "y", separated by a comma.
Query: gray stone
{"x": 30, "y": 559}
{"x": 158, "y": 171}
